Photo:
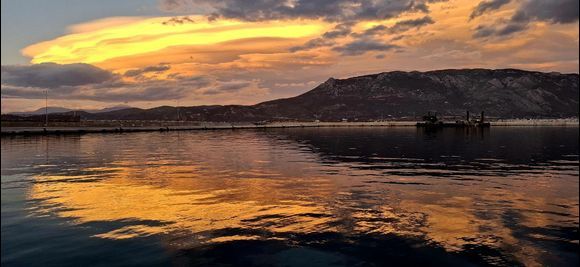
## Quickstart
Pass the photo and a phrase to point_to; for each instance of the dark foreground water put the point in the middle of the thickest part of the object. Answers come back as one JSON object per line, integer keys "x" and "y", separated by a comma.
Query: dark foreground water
{"x": 294, "y": 197}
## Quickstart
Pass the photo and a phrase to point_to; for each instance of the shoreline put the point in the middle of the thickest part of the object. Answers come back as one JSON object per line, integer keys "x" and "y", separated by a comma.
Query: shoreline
{"x": 10, "y": 131}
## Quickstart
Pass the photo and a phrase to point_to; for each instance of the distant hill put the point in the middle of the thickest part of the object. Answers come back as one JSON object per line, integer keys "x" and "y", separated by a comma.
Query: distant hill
{"x": 505, "y": 93}
{"x": 41, "y": 111}
{"x": 52, "y": 110}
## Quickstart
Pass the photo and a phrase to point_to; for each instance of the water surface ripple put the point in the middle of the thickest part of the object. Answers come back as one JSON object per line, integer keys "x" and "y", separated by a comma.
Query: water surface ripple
{"x": 293, "y": 197}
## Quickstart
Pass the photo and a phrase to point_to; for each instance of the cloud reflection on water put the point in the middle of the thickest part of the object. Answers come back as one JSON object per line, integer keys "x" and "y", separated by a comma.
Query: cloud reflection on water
{"x": 194, "y": 188}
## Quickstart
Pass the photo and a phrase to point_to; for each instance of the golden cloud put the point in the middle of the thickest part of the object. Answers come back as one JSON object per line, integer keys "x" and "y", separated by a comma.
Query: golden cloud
{"x": 111, "y": 41}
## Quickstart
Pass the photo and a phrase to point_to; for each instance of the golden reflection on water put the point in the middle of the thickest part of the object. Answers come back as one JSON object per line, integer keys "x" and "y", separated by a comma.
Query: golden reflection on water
{"x": 183, "y": 205}
{"x": 282, "y": 188}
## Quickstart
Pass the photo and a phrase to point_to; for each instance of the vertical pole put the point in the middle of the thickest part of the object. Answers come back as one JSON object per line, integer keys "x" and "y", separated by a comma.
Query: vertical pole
{"x": 177, "y": 106}
{"x": 45, "y": 108}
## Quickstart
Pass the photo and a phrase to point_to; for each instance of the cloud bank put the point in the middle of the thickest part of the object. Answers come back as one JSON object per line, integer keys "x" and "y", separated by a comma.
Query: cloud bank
{"x": 86, "y": 82}
{"x": 528, "y": 12}
{"x": 52, "y": 75}
{"x": 330, "y": 10}
{"x": 245, "y": 52}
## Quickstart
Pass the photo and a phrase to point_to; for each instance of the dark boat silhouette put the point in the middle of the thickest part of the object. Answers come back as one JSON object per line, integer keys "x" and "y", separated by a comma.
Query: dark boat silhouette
{"x": 431, "y": 120}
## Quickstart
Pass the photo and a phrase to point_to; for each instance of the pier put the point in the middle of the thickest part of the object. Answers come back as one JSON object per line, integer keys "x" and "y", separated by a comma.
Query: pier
{"x": 167, "y": 126}
{"x": 202, "y": 126}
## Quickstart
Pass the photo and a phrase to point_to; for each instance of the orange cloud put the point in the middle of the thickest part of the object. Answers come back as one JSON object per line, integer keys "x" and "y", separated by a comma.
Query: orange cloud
{"x": 106, "y": 40}
{"x": 299, "y": 51}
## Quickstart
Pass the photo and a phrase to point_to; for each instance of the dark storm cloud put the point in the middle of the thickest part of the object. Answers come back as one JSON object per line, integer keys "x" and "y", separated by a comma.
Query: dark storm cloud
{"x": 330, "y": 10}
{"x": 233, "y": 86}
{"x": 483, "y": 31}
{"x": 345, "y": 29}
{"x": 553, "y": 11}
{"x": 136, "y": 72}
{"x": 227, "y": 87}
{"x": 314, "y": 43}
{"x": 399, "y": 27}
{"x": 511, "y": 28}
{"x": 51, "y": 75}
{"x": 406, "y": 25}
{"x": 344, "y": 12}
{"x": 550, "y": 11}
{"x": 87, "y": 82}
{"x": 339, "y": 30}
{"x": 9, "y": 91}
{"x": 327, "y": 39}
{"x": 487, "y": 6}
{"x": 150, "y": 91}
{"x": 501, "y": 30}
{"x": 362, "y": 46}
{"x": 178, "y": 20}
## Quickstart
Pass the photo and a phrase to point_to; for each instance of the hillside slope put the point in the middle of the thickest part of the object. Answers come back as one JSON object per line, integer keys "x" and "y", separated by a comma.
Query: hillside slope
{"x": 505, "y": 93}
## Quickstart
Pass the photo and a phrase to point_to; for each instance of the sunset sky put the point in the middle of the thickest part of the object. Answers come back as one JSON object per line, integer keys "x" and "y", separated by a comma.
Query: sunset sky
{"x": 147, "y": 53}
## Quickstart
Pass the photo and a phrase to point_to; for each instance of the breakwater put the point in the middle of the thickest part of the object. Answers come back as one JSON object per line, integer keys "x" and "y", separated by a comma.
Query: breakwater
{"x": 173, "y": 126}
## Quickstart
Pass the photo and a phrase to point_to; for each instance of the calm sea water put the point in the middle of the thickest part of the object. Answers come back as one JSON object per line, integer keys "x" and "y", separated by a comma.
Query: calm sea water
{"x": 293, "y": 197}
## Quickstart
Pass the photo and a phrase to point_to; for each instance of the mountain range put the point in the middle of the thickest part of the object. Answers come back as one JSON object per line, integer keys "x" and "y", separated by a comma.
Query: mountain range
{"x": 52, "y": 110}
{"x": 502, "y": 93}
